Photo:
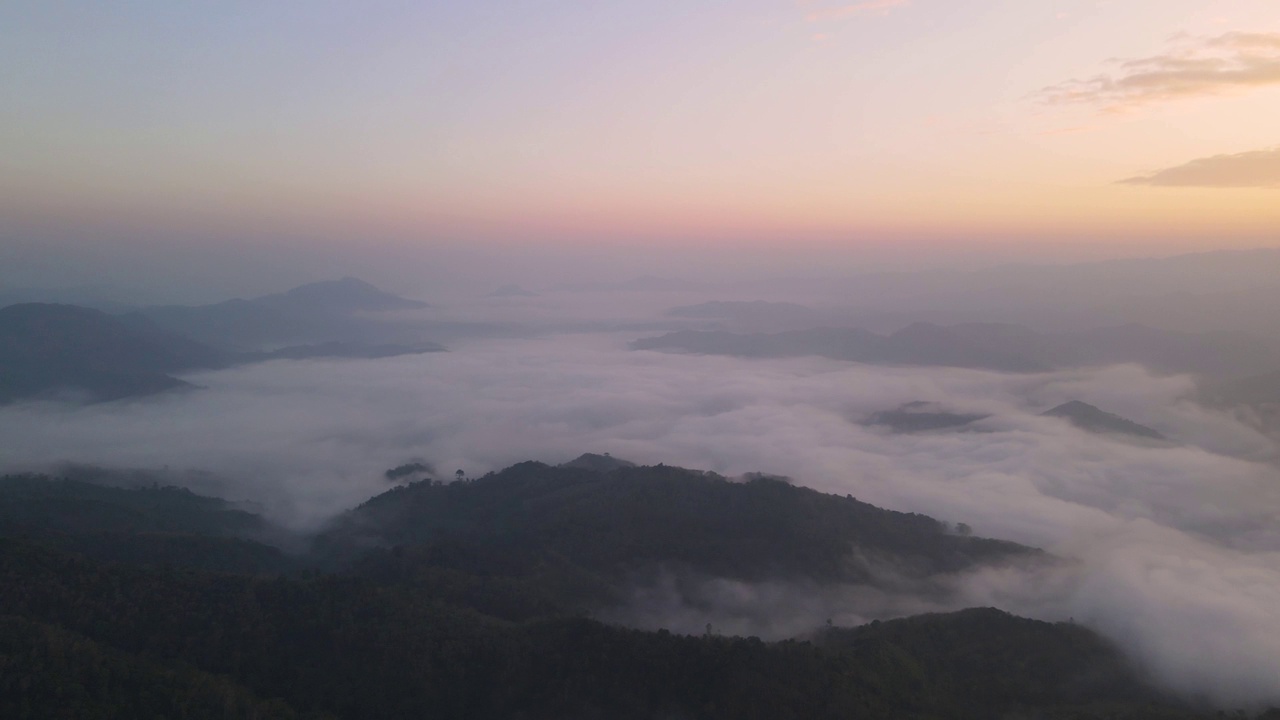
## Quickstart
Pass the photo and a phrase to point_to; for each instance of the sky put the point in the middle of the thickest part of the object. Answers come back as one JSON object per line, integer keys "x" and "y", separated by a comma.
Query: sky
{"x": 187, "y": 137}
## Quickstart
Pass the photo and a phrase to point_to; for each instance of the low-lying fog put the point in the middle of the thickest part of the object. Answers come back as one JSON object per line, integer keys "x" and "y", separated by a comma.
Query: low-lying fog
{"x": 1174, "y": 548}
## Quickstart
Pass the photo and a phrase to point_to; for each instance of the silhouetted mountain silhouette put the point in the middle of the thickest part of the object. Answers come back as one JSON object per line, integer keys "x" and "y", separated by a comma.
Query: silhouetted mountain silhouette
{"x": 47, "y": 350}
{"x": 1087, "y": 417}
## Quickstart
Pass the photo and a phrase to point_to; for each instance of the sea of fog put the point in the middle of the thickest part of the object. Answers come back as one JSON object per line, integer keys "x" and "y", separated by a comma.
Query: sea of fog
{"x": 1171, "y": 549}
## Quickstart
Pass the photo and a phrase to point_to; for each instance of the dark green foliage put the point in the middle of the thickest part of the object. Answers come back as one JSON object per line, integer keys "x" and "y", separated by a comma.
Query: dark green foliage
{"x": 633, "y": 518}
{"x": 63, "y": 505}
{"x": 991, "y": 658}
{"x": 472, "y": 610}
{"x": 47, "y": 672}
{"x": 358, "y": 649}
{"x": 146, "y": 525}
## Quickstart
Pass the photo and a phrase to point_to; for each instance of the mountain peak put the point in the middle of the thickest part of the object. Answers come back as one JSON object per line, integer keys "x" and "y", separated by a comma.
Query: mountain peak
{"x": 598, "y": 463}
{"x": 1094, "y": 419}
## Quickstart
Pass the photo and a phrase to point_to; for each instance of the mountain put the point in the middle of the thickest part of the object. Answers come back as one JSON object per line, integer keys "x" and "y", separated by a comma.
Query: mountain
{"x": 1087, "y": 417}
{"x": 149, "y": 525}
{"x": 330, "y": 311}
{"x": 636, "y": 518}
{"x": 975, "y": 648}
{"x": 48, "y": 350}
{"x": 348, "y": 295}
{"x": 107, "y": 298}
{"x": 920, "y": 344}
{"x": 66, "y": 674}
{"x": 597, "y": 463}
{"x": 1200, "y": 293}
{"x": 467, "y": 618}
{"x": 922, "y": 417}
{"x": 991, "y": 346}
{"x": 64, "y": 351}
{"x": 348, "y": 647}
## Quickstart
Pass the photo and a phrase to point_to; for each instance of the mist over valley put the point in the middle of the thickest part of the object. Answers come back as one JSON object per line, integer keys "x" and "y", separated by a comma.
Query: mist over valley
{"x": 1132, "y": 505}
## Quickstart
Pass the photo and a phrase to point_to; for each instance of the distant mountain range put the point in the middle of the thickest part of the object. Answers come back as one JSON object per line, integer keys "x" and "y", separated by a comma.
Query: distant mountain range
{"x": 50, "y": 349}
{"x": 64, "y": 351}
{"x": 1207, "y": 292}
{"x": 921, "y": 416}
{"x": 336, "y": 310}
{"x": 989, "y": 346}
{"x": 920, "y": 344}
{"x": 597, "y": 463}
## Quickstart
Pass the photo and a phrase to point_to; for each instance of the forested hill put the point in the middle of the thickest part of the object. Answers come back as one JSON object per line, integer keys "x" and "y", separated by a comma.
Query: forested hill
{"x": 189, "y": 644}
{"x": 150, "y": 525}
{"x": 463, "y": 601}
{"x": 631, "y": 517}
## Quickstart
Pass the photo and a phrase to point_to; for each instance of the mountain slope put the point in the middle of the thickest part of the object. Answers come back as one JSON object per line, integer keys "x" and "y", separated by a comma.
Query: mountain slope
{"x": 920, "y": 344}
{"x": 990, "y": 346}
{"x": 347, "y": 295}
{"x": 321, "y": 312}
{"x": 597, "y": 463}
{"x": 469, "y": 631}
{"x": 155, "y": 525}
{"x": 49, "y": 672}
{"x": 611, "y": 523}
{"x": 1087, "y": 417}
{"x": 51, "y": 349}
{"x": 348, "y": 648}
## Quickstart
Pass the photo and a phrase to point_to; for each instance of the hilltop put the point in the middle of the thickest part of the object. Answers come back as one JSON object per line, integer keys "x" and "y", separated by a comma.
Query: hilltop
{"x": 1087, "y": 417}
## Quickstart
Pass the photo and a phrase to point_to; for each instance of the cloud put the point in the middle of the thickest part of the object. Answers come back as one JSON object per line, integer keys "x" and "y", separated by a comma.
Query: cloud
{"x": 870, "y": 7}
{"x": 1174, "y": 551}
{"x": 1257, "y": 169}
{"x": 1192, "y": 67}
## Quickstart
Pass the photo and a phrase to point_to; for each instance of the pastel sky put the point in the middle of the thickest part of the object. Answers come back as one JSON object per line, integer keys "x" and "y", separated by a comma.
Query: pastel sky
{"x": 1134, "y": 123}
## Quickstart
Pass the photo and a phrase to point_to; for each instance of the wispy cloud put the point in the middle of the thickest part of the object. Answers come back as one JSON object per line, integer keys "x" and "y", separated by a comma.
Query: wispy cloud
{"x": 1257, "y": 169}
{"x": 1192, "y": 67}
{"x": 868, "y": 7}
